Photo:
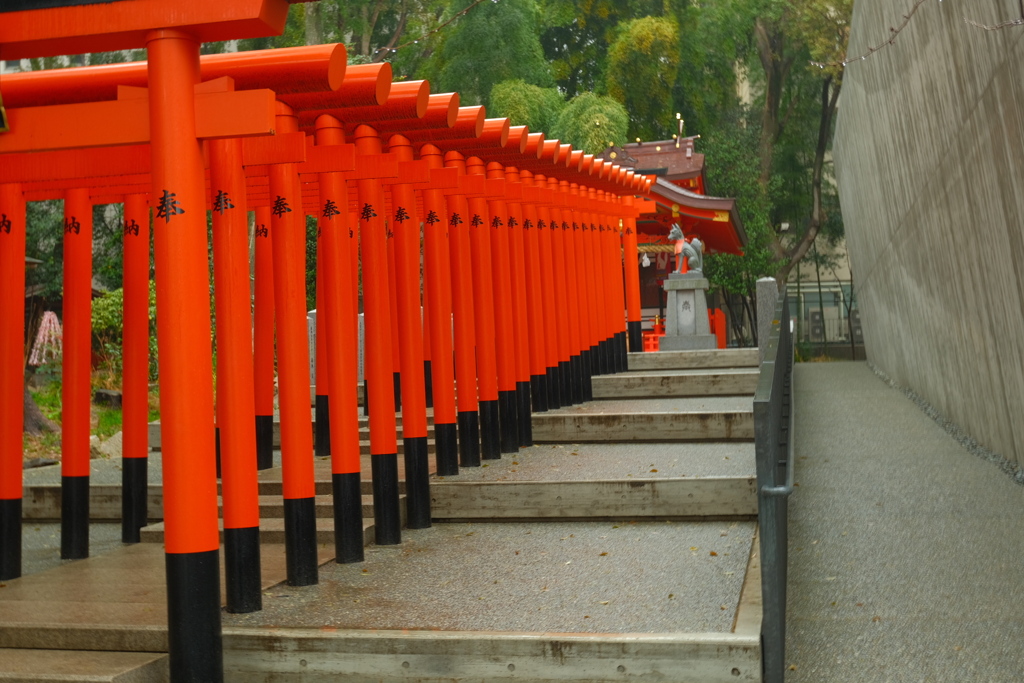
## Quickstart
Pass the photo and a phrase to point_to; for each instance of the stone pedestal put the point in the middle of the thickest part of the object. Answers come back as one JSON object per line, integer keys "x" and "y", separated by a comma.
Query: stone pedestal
{"x": 686, "y": 325}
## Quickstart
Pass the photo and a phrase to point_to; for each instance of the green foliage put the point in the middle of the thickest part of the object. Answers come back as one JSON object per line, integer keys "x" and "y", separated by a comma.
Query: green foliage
{"x": 108, "y": 422}
{"x": 108, "y": 331}
{"x": 494, "y": 42}
{"x": 732, "y": 171}
{"x": 49, "y": 400}
{"x": 643, "y": 64}
{"x": 526, "y": 105}
{"x": 311, "y": 232}
{"x": 592, "y": 123}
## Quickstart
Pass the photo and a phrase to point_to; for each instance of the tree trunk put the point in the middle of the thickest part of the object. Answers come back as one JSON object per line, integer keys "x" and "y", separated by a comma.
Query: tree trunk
{"x": 829, "y": 100}
{"x": 35, "y": 422}
{"x": 821, "y": 302}
{"x": 314, "y": 28}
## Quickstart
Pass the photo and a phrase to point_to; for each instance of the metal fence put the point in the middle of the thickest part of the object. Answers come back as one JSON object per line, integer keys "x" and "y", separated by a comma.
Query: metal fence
{"x": 773, "y": 429}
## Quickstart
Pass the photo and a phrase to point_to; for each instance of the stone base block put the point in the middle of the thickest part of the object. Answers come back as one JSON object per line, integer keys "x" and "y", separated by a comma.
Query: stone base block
{"x": 688, "y": 342}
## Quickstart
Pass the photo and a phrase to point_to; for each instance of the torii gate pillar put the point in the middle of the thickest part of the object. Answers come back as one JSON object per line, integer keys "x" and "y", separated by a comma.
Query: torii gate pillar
{"x": 186, "y": 368}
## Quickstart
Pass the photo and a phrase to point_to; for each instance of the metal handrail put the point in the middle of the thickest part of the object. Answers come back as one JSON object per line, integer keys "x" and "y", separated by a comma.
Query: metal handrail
{"x": 773, "y": 445}
{"x": 787, "y": 488}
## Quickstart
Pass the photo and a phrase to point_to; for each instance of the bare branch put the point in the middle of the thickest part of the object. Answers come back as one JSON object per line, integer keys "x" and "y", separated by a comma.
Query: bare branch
{"x": 893, "y": 32}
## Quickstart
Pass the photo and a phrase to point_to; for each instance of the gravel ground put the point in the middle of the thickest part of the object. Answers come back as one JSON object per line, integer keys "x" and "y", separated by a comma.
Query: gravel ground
{"x": 904, "y": 549}
{"x": 588, "y": 462}
{"x": 597, "y": 577}
{"x": 40, "y": 544}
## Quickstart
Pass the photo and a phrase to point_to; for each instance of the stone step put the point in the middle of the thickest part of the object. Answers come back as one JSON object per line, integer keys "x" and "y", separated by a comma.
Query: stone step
{"x": 709, "y": 497}
{"x": 272, "y": 531}
{"x": 25, "y": 666}
{"x": 272, "y": 506}
{"x": 670, "y": 383}
{"x": 155, "y": 442}
{"x": 679, "y": 360}
{"x": 620, "y": 427}
{"x": 530, "y": 602}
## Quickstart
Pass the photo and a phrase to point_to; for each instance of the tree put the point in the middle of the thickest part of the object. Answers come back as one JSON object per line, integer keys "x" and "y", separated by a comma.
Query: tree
{"x": 643, "y": 65}
{"x": 732, "y": 170}
{"x": 788, "y": 36}
{"x": 494, "y": 42}
{"x": 526, "y": 105}
{"x": 592, "y": 123}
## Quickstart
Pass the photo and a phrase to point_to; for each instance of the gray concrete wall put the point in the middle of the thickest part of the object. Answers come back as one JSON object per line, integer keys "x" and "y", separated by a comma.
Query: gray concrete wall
{"x": 929, "y": 155}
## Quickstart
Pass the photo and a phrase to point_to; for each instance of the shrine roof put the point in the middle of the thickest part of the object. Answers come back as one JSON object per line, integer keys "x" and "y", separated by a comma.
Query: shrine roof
{"x": 714, "y": 219}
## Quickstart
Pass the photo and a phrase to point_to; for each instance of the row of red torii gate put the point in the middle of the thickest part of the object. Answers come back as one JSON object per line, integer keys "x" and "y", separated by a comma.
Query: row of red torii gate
{"x": 512, "y": 244}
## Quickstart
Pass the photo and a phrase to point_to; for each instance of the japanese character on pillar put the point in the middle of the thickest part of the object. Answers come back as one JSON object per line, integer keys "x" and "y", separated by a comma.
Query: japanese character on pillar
{"x": 131, "y": 228}
{"x": 5, "y": 223}
{"x": 512, "y": 222}
{"x": 527, "y": 224}
{"x": 280, "y": 207}
{"x": 432, "y": 218}
{"x": 168, "y": 206}
{"x": 222, "y": 202}
{"x": 331, "y": 209}
{"x": 71, "y": 225}
{"x": 476, "y": 221}
{"x": 455, "y": 220}
{"x": 367, "y": 212}
{"x": 496, "y": 223}
{"x": 261, "y": 230}
{"x": 401, "y": 215}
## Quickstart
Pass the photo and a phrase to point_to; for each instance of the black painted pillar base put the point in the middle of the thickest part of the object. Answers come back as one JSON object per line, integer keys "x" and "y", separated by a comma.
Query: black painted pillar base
{"x": 576, "y": 378}
{"x": 417, "y": 483}
{"x": 591, "y": 356}
{"x": 134, "y": 497}
{"x": 539, "y": 393}
{"x": 585, "y": 367}
{"x": 300, "y": 541}
{"x": 428, "y": 382}
{"x": 564, "y": 392}
{"x": 623, "y": 352}
{"x": 636, "y": 336}
{"x": 10, "y": 538}
{"x": 74, "y": 518}
{"x": 490, "y": 431}
{"x": 264, "y": 442}
{"x": 193, "y": 617}
{"x": 605, "y": 361}
{"x": 469, "y": 438}
{"x": 398, "y": 391}
{"x": 446, "y": 446}
{"x": 387, "y": 517}
{"x": 551, "y": 380}
{"x": 348, "y": 517}
{"x": 525, "y": 414}
{"x": 508, "y": 420}
{"x": 242, "y": 578}
{"x": 322, "y": 426}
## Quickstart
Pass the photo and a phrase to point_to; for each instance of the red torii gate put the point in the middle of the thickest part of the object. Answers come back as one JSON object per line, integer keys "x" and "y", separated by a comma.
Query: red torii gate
{"x": 495, "y": 133}
{"x": 172, "y": 40}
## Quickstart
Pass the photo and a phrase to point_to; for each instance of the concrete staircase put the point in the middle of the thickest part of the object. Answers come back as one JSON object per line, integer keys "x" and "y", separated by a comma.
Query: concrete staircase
{"x": 645, "y": 566}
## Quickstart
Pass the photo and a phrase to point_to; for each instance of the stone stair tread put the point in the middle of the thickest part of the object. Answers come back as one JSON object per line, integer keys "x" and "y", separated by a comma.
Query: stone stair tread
{"x": 82, "y": 665}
